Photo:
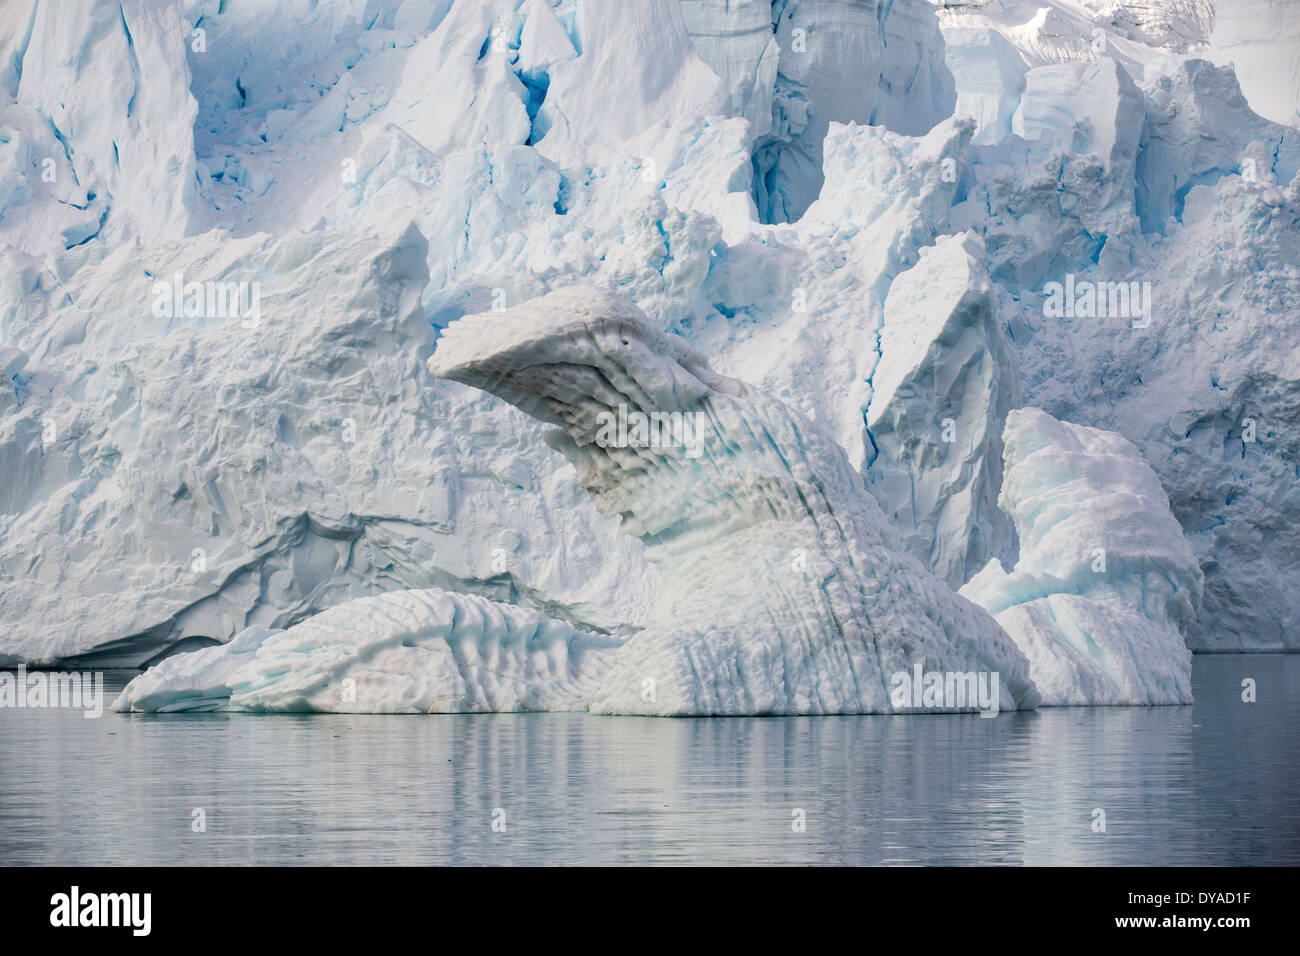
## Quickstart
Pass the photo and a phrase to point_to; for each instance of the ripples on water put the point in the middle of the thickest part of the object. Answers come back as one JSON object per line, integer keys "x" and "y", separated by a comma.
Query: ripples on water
{"x": 1212, "y": 784}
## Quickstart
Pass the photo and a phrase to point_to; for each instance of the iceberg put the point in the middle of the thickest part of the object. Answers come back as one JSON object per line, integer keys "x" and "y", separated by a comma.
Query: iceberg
{"x": 1106, "y": 585}
{"x": 782, "y": 590}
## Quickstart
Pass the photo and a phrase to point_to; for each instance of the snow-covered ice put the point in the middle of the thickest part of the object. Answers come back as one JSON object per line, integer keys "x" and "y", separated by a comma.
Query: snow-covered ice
{"x": 1260, "y": 39}
{"x": 989, "y": 73}
{"x": 200, "y": 477}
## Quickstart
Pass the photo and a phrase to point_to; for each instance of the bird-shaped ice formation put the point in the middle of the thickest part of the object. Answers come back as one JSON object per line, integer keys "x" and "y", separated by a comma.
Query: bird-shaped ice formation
{"x": 783, "y": 588}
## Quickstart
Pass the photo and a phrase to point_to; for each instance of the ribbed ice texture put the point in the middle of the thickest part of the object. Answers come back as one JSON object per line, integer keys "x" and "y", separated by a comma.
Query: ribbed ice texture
{"x": 406, "y": 652}
{"x": 782, "y": 589}
{"x": 1106, "y": 585}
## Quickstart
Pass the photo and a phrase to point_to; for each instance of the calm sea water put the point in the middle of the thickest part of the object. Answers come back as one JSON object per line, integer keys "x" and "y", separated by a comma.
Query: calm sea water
{"x": 1212, "y": 783}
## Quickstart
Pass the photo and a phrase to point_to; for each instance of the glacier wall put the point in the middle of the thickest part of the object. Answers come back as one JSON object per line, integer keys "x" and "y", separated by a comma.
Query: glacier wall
{"x": 1136, "y": 189}
{"x": 937, "y": 408}
{"x": 538, "y": 144}
{"x": 1045, "y": 32}
{"x": 98, "y": 124}
{"x": 186, "y": 476}
{"x": 796, "y": 66}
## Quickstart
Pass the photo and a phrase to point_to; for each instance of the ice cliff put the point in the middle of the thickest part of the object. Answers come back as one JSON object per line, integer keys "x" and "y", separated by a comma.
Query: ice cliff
{"x": 937, "y": 408}
{"x": 1256, "y": 37}
{"x": 1111, "y": 183}
{"x": 214, "y": 472}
